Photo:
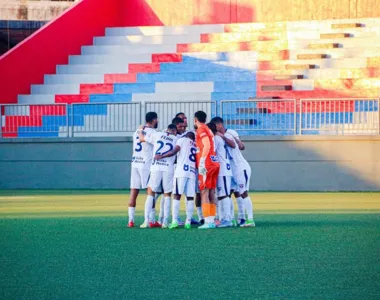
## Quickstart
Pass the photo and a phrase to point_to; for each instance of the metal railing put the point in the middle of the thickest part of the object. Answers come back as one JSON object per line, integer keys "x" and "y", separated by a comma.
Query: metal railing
{"x": 167, "y": 110}
{"x": 107, "y": 119}
{"x": 343, "y": 116}
{"x": 249, "y": 117}
{"x": 260, "y": 116}
{"x": 40, "y": 120}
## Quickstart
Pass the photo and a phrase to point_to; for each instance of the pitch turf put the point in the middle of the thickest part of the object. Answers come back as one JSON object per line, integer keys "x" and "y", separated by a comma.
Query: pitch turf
{"x": 75, "y": 246}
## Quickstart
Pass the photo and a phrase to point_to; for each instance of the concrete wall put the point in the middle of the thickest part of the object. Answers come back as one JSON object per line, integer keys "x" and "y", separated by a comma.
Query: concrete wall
{"x": 283, "y": 164}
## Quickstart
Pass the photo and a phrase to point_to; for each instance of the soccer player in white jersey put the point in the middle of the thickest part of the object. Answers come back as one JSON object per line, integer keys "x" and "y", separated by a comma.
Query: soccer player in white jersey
{"x": 241, "y": 171}
{"x": 184, "y": 177}
{"x": 225, "y": 177}
{"x": 141, "y": 161}
{"x": 161, "y": 174}
{"x": 198, "y": 202}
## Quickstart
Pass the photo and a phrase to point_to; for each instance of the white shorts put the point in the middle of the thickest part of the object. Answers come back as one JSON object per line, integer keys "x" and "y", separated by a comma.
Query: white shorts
{"x": 139, "y": 178}
{"x": 223, "y": 186}
{"x": 184, "y": 186}
{"x": 240, "y": 181}
{"x": 161, "y": 181}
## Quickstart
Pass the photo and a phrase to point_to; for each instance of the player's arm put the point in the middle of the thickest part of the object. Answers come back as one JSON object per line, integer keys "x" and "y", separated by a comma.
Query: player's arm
{"x": 230, "y": 143}
{"x": 169, "y": 154}
{"x": 141, "y": 134}
{"x": 205, "y": 152}
{"x": 240, "y": 143}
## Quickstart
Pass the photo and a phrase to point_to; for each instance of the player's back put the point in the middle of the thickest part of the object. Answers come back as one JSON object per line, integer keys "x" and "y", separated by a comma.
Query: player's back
{"x": 186, "y": 158}
{"x": 222, "y": 152}
{"x": 164, "y": 142}
{"x": 237, "y": 159}
{"x": 143, "y": 152}
{"x": 202, "y": 132}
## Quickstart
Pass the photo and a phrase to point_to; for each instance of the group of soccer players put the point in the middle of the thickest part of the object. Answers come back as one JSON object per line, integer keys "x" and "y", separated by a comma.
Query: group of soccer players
{"x": 206, "y": 166}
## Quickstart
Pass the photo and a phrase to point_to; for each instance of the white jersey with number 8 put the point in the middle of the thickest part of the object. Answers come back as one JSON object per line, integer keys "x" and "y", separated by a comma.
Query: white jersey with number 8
{"x": 186, "y": 159}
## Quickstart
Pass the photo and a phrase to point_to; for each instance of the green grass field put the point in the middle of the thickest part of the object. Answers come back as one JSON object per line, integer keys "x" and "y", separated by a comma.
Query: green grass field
{"x": 75, "y": 245}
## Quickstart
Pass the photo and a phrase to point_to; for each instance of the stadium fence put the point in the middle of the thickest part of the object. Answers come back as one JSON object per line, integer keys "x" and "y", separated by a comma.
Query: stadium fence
{"x": 248, "y": 117}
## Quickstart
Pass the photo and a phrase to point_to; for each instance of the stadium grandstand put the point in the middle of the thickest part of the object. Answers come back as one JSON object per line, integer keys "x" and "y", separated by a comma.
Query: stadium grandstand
{"x": 264, "y": 78}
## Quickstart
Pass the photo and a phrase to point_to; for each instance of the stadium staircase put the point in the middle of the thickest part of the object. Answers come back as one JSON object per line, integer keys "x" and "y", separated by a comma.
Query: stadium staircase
{"x": 283, "y": 60}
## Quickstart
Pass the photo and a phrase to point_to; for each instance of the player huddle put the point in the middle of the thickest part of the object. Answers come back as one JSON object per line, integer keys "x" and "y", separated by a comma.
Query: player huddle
{"x": 206, "y": 166}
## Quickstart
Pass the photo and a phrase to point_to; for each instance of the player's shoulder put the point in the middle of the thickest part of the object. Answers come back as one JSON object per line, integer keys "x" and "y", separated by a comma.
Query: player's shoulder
{"x": 232, "y": 132}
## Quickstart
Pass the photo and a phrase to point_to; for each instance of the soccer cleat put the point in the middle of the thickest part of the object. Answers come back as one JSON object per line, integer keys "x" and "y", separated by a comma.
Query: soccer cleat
{"x": 180, "y": 222}
{"x": 174, "y": 225}
{"x": 201, "y": 222}
{"x": 187, "y": 226}
{"x": 225, "y": 224}
{"x": 146, "y": 225}
{"x": 241, "y": 222}
{"x": 217, "y": 223}
{"x": 164, "y": 226}
{"x": 249, "y": 223}
{"x": 234, "y": 223}
{"x": 194, "y": 222}
{"x": 131, "y": 224}
{"x": 156, "y": 224}
{"x": 207, "y": 226}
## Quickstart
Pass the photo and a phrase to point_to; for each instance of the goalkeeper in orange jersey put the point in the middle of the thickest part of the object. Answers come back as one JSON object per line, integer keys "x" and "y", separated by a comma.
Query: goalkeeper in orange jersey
{"x": 208, "y": 168}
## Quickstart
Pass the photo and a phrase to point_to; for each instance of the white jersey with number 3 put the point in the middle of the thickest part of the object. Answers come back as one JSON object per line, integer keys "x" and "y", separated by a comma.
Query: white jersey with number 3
{"x": 163, "y": 143}
{"x": 143, "y": 152}
{"x": 222, "y": 152}
{"x": 185, "y": 159}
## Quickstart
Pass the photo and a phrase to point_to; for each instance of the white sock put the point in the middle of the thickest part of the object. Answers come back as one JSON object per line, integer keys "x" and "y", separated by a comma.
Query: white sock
{"x": 219, "y": 210}
{"x": 175, "y": 209}
{"x": 189, "y": 211}
{"x": 226, "y": 205}
{"x": 152, "y": 215}
{"x": 166, "y": 209}
{"x": 200, "y": 213}
{"x": 162, "y": 209}
{"x": 131, "y": 214}
{"x": 240, "y": 203}
{"x": 148, "y": 208}
{"x": 210, "y": 219}
{"x": 248, "y": 207}
{"x": 232, "y": 210}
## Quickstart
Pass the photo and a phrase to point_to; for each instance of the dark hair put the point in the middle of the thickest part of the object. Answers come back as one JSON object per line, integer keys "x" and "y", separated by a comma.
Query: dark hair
{"x": 150, "y": 116}
{"x": 217, "y": 120}
{"x": 180, "y": 113}
{"x": 201, "y": 116}
{"x": 177, "y": 121}
{"x": 172, "y": 127}
{"x": 212, "y": 127}
{"x": 190, "y": 135}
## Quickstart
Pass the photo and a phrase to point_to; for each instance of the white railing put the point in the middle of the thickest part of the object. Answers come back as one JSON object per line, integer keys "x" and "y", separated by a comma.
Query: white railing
{"x": 167, "y": 110}
{"x": 248, "y": 117}
{"x": 260, "y": 116}
{"x": 42, "y": 120}
{"x": 105, "y": 119}
{"x": 343, "y": 116}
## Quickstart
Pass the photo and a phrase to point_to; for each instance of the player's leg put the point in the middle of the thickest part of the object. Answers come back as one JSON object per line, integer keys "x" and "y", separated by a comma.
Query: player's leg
{"x": 239, "y": 188}
{"x": 247, "y": 200}
{"x": 178, "y": 188}
{"x": 207, "y": 186}
{"x": 135, "y": 186}
{"x": 154, "y": 185}
{"x": 190, "y": 193}
{"x": 198, "y": 202}
{"x": 224, "y": 200}
{"x": 167, "y": 187}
